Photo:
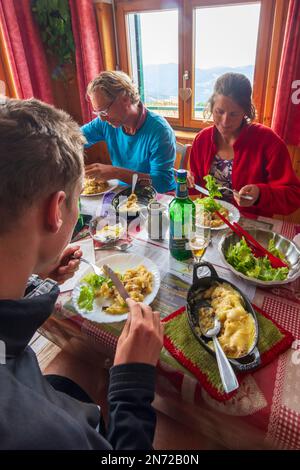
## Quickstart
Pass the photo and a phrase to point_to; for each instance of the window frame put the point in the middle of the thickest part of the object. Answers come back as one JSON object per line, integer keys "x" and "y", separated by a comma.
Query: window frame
{"x": 185, "y": 120}
{"x": 123, "y": 8}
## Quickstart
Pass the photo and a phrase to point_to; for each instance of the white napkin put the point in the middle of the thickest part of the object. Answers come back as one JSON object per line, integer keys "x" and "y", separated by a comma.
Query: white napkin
{"x": 87, "y": 248}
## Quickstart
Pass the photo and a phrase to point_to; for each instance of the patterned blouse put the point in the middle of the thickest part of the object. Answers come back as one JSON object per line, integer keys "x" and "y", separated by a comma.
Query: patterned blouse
{"x": 221, "y": 170}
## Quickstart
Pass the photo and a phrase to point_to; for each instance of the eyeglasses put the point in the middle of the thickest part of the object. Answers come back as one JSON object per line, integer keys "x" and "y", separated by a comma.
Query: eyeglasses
{"x": 104, "y": 112}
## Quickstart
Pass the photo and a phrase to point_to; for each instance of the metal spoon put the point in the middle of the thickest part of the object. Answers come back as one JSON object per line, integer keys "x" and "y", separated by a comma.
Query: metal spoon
{"x": 134, "y": 181}
{"x": 227, "y": 374}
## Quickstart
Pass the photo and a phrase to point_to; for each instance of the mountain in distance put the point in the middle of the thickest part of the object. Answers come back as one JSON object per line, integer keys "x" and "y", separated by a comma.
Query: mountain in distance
{"x": 161, "y": 81}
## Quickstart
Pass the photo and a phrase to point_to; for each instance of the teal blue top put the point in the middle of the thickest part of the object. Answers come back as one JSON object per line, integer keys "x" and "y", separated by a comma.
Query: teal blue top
{"x": 151, "y": 150}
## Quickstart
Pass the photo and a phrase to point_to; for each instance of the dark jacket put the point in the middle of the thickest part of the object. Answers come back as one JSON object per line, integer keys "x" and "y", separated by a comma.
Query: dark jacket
{"x": 36, "y": 416}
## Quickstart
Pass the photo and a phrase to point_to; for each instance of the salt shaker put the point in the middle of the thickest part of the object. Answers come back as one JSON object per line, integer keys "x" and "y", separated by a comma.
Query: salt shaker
{"x": 157, "y": 221}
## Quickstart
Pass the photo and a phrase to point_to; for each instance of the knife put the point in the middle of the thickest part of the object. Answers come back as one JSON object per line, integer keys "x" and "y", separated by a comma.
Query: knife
{"x": 116, "y": 281}
{"x": 201, "y": 190}
{"x": 204, "y": 191}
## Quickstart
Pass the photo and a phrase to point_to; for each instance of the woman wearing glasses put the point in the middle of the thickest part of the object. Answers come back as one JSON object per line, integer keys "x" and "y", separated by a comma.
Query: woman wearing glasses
{"x": 138, "y": 140}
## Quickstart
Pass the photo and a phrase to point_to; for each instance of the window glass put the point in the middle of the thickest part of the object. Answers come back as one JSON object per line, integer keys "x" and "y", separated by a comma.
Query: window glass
{"x": 225, "y": 40}
{"x": 153, "y": 44}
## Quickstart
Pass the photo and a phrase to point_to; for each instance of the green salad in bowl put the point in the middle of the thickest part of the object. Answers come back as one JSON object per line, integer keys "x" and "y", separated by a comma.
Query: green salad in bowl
{"x": 241, "y": 258}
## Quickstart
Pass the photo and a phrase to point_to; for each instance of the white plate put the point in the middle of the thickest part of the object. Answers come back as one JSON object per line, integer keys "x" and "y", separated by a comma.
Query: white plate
{"x": 113, "y": 184}
{"x": 233, "y": 216}
{"x": 120, "y": 263}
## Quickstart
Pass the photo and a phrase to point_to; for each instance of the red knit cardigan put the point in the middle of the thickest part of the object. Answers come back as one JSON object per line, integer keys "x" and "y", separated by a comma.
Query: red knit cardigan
{"x": 261, "y": 158}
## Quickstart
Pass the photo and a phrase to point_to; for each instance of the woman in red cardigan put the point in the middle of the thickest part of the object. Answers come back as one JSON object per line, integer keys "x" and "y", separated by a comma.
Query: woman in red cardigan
{"x": 247, "y": 157}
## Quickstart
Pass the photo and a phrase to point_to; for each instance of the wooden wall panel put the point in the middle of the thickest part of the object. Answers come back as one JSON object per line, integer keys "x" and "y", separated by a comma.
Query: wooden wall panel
{"x": 65, "y": 91}
{"x": 5, "y": 70}
{"x": 295, "y": 156}
{"x": 105, "y": 25}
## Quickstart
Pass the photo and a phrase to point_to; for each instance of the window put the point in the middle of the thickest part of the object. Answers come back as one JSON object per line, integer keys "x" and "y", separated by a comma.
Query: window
{"x": 237, "y": 25}
{"x": 175, "y": 50}
{"x": 154, "y": 59}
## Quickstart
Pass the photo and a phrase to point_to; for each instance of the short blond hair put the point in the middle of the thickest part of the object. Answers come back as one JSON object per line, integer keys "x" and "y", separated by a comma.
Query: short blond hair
{"x": 111, "y": 83}
{"x": 41, "y": 152}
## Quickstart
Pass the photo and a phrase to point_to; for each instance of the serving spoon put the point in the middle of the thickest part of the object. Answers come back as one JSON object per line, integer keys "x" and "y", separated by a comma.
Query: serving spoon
{"x": 134, "y": 181}
{"x": 227, "y": 374}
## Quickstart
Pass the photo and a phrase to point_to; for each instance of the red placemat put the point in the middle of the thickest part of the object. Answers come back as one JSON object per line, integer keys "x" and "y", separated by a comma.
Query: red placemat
{"x": 180, "y": 341}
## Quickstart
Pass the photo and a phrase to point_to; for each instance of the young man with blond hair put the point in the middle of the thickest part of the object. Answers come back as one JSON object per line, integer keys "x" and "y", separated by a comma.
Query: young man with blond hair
{"x": 41, "y": 171}
{"x": 138, "y": 140}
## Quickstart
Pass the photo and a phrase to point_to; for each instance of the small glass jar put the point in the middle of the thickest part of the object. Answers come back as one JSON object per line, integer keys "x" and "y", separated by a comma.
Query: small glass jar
{"x": 157, "y": 221}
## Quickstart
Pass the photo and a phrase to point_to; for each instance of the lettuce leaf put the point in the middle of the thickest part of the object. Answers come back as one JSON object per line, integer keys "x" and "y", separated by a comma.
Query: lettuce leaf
{"x": 212, "y": 186}
{"x": 86, "y": 298}
{"x": 209, "y": 204}
{"x": 96, "y": 281}
{"x": 92, "y": 282}
{"x": 275, "y": 251}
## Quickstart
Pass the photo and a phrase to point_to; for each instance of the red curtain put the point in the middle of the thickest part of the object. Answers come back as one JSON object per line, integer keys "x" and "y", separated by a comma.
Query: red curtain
{"x": 88, "y": 53}
{"x": 25, "y": 50}
{"x": 286, "y": 117}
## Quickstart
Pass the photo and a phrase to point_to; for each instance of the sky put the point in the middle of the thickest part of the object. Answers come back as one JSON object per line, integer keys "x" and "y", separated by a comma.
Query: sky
{"x": 224, "y": 36}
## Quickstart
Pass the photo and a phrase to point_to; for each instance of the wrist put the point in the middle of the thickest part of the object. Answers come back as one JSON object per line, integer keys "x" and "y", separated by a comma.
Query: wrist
{"x": 109, "y": 172}
{"x": 258, "y": 198}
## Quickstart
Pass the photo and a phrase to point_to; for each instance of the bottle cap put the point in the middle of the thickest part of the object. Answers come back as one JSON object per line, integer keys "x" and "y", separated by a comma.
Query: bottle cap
{"x": 181, "y": 172}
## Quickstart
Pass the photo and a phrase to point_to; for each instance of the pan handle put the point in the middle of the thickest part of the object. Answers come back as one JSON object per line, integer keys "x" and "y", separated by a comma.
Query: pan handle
{"x": 250, "y": 365}
{"x": 213, "y": 272}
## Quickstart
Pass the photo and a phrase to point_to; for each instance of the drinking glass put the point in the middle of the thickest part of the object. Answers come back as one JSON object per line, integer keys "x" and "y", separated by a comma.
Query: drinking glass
{"x": 202, "y": 236}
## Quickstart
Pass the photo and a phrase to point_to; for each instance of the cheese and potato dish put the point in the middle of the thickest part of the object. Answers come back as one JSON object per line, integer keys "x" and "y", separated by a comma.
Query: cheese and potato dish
{"x": 138, "y": 283}
{"x": 131, "y": 204}
{"x": 213, "y": 220}
{"x": 238, "y": 328}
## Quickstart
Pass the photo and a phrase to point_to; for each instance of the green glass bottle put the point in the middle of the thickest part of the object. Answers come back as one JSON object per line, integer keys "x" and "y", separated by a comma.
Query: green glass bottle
{"x": 182, "y": 219}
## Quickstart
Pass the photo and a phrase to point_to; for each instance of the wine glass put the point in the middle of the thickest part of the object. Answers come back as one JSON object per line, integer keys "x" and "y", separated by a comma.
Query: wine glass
{"x": 202, "y": 236}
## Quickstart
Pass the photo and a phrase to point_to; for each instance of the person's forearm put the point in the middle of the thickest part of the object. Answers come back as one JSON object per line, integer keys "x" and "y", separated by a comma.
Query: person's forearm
{"x": 123, "y": 174}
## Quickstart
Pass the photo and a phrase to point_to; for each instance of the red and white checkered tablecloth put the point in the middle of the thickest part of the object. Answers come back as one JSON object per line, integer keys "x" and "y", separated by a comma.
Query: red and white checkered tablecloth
{"x": 268, "y": 399}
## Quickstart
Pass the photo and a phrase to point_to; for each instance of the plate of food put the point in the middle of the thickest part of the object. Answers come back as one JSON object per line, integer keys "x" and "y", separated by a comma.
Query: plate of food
{"x": 238, "y": 257}
{"x": 108, "y": 229}
{"x": 227, "y": 209}
{"x": 96, "y": 298}
{"x": 131, "y": 205}
{"x": 93, "y": 187}
{"x": 206, "y": 208}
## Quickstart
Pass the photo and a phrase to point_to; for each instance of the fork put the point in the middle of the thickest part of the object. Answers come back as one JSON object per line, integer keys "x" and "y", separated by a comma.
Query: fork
{"x": 95, "y": 268}
{"x": 234, "y": 191}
